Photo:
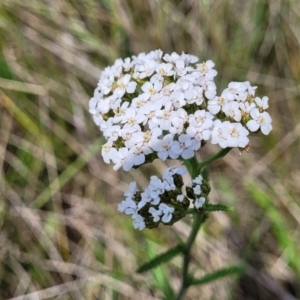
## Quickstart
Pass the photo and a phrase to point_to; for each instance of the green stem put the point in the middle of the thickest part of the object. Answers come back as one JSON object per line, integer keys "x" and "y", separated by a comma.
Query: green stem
{"x": 218, "y": 155}
{"x": 194, "y": 168}
{"x": 198, "y": 220}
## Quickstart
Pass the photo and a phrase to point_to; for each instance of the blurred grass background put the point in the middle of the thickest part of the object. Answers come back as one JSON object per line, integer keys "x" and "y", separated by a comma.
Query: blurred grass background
{"x": 61, "y": 236}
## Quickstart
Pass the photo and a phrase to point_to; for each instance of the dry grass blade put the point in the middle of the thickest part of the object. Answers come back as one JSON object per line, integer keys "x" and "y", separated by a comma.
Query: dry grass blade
{"x": 86, "y": 67}
{"x": 22, "y": 87}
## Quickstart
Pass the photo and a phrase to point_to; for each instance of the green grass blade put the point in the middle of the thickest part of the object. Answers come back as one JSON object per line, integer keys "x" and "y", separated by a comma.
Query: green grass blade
{"x": 67, "y": 175}
{"x": 233, "y": 270}
{"x": 160, "y": 259}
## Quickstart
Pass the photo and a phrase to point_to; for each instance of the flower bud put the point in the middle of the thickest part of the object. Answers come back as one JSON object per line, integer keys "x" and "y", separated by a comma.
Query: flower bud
{"x": 205, "y": 187}
{"x": 178, "y": 181}
{"x": 190, "y": 192}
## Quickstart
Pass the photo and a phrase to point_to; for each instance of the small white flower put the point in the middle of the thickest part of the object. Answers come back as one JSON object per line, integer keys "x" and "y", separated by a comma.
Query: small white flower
{"x": 238, "y": 135}
{"x": 251, "y": 89}
{"x": 180, "y": 198}
{"x": 106, "y": 85}
{"x": 165, "y": 69}
{"x": 167, "y": 212}
{"x": 104, "y": 125}
{"x": 220, "y": 133}
{"x": 198, "y": 180}
{"x": 108, "y": 152}
{"x": 188, "y": 58}
{"x": 125, "y": 85}
{"x": 149, "y": 110}
{"x": 112, "y": 133}
{"x": 215, "y": 104}
{"x": 199, "y": 202}
{"x": 139, "y": 222}
{"x": 231, "y": 109}
{"x": 93, "y": 109}
{"x": 180, "y": 67}
{"x": 132, "y": 190}
{"x": 139, "y": 101}
{"x": 197, "y": 189}
{"x": 133, "y": 117}
{"x": 190, "y": 184}
{"x": 178, "y": 118}
{"x": 260, "y": 120}
{"x": 98, "y": 118}
{"x": 178, "y": 100}
{"x": 129, "y": 207}
{"x": 185, "y": 146}
{"x": 131, "y": 135}
{"x": 246, "y": 107}
{"x": 169, "y": 182}
{"x": 199, "y": 133}
{"x": 106, "y": 104}
{"x": 156, "y": 214}
{"x": 194, "y": 95}
{"x": 162, "y": 118}
{"x": 201, "y": 118}
{"x": 241, "y": 97}
{"x": 166, "y": 93}
{"x": 147, "y": 197}
{"x": 262, "y": 103}
{"x": 206, "y": 69}
{"x": 138, "y": 157}
{"x": 120, "y": 112}
{"x": 171, "y": 58}
{"x": 150, "y": 137}
{"x": 156, "y": 187}
{"x": 233, "y": 90}
{"x": 146, "y": 69}
{"x": 175, "y": 170}
{"x": 123, "y": 158}
{"x": 151, "y": 88}
{"x": 209, "y": 88}
{"x": 163, "y": 148}
{"x": 127, "y": 64}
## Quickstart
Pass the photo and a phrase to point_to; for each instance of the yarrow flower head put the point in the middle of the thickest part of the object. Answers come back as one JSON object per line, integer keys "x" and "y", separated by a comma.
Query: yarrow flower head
{"x": 164, "y": 200}
{"x": 166, "y": 106}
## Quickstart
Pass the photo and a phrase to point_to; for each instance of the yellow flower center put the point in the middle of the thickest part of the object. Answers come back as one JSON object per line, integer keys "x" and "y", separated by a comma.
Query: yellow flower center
{"x": 222, "y": 100}
{"x": 261, "y": 120}
{"x": 166, "y": 115}
{"x": 234, "y": 133}
{"x": 147, "y": 136}
{"x": 151, "y": 91}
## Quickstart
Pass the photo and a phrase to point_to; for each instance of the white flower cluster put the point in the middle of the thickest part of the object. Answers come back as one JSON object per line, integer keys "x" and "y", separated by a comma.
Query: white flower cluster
{"x": 163, "y": 201}
{"x": 158, "y": 203}
{"x": 236, "y": 109}
{"x": 163, "y": 106}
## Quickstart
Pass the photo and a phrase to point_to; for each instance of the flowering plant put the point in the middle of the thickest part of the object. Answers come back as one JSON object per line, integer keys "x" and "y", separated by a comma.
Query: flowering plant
{"x": 164, "y": 106}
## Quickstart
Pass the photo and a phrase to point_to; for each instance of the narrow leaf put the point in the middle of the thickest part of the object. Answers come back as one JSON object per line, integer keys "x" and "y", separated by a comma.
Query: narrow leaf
{"x": 160, "y": 274}
{"x": 162, "y": 258}
{"x": 218, "y": 207}
{"x": 218, "y": 275}
{"x": 287, "y": 242}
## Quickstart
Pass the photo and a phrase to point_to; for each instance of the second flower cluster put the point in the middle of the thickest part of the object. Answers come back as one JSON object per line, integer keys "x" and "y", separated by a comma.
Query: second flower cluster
{"x": 163, "y": 200}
